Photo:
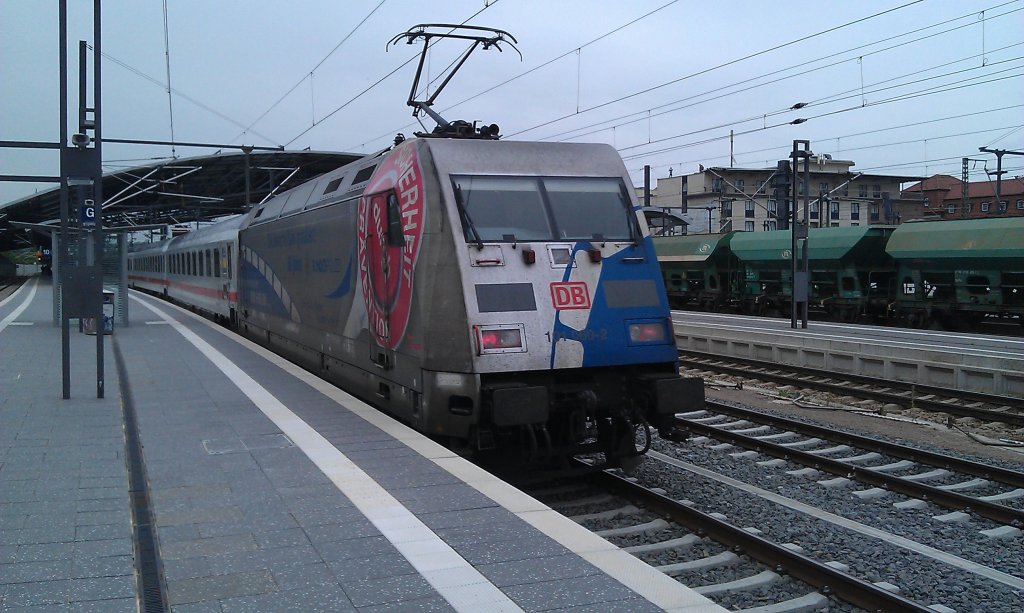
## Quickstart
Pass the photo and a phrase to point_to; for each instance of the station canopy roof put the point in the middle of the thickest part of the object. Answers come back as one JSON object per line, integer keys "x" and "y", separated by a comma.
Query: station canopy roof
{"x": 177, "y": 191}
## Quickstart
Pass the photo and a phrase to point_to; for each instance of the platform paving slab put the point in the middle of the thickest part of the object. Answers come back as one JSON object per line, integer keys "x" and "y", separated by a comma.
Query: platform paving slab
{"x": 245, "y": 519}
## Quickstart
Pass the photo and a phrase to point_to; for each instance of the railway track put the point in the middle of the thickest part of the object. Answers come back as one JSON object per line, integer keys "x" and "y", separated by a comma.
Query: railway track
{"x": 705, "y": 548}
{"x": 882, "y": 465}
{"x": 958, "y": 403}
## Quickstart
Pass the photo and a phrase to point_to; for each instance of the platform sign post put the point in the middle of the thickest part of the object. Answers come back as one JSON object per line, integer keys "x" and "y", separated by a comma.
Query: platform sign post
{"x": 80, "y": 285}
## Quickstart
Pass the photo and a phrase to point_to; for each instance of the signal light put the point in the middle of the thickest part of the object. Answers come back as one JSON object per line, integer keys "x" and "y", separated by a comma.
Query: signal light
{"x": 500, "y": 339}
{"x": 529, "y": 256}
{"x": 595, "y": 255}
{"x": 647, "y": 332}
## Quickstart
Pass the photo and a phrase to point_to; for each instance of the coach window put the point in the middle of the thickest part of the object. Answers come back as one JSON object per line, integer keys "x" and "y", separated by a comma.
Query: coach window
{"x": 229, "y": 261}
{"x": 209, "y": 263}
{"x": 195, "y": 269}
{"x": 216, "y": 262}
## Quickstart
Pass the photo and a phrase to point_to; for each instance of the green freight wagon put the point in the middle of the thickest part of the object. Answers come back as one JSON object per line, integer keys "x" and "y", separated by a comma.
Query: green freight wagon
{"x": 698, "y": 269}
{"x": 850, "y": 274}
{"x": 955, "y": 273}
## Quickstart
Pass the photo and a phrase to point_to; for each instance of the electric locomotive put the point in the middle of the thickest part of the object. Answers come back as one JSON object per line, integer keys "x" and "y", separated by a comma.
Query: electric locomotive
{"x": 501, "y": 296}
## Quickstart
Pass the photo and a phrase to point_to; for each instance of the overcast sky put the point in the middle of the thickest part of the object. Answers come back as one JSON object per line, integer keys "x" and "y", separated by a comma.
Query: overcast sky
{"x": 899, "y": 87}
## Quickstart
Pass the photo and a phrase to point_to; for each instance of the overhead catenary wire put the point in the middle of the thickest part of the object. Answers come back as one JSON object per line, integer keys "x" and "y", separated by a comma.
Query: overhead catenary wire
{"x": 719, "y": 66}
{"x": 897, "y": 98}
{"x": 180, "y": 94}
{"x": 646, "y": 114}
{"x": 309, "y": 75}
{"x": 787, "y": 108}
{"x": 167, "y": 63}
{"x": 844, "y": 136}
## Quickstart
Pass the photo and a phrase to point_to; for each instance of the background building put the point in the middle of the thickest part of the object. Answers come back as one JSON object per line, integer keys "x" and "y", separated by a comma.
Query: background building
{"x": 720, "y": 199}
{"x": 942, "y": 197}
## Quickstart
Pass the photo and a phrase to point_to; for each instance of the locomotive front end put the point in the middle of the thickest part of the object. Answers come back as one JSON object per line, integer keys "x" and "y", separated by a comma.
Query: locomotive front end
{"x": 568, "y": 324}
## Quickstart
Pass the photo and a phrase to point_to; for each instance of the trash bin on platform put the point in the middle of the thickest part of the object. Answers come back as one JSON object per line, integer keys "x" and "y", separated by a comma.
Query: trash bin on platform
{"x": 89, "y": 324}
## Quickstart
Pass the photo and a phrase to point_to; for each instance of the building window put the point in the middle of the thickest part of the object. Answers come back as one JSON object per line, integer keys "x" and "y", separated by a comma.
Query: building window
{"x": 855, "y": 210}
{"x": 846, "y": 189}
{"x": 773, "y": 207}
{"x": 823, "y": 187}
{"x": 760, "y": 185}
{"x": 815, "y": 207}
{"x": 803, "y": 188}
{"x": 770, "y": 225}
{"x": 835, "y": 224}
{"x": 1020, "y": 205}
{"x": 854, "y": 223}
{"x": 726, "y": 208}
{"x": 716, "y": 184}
{"x": 1002, "y": 206}
{"x": 748, "y": 226}
{"x": 873, "y": 211}
{"x": 748, "y": 209}
{"x": 876, "y": 190}
{"x": 951, "y": 208}
{"x": 862, "y": 191}
{"x": 739, "y": 184}
{"x": 985, "y": 206}
{"x": 835, "y": 209}
{"x": 927, "y": 204}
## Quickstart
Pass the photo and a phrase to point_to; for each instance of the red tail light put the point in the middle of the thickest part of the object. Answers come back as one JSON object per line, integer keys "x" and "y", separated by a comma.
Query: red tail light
{"x": 648, "y": 332}
{"x": 504, "y": 339}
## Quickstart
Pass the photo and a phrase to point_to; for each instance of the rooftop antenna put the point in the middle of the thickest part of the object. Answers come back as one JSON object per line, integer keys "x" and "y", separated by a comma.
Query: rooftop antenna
{"x": 485, "y": 38}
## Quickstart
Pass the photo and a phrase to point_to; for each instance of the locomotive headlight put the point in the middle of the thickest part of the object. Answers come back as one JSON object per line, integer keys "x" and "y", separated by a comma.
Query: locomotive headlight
{"x": 504, "y": 338}
{"x": 647, "y": 332}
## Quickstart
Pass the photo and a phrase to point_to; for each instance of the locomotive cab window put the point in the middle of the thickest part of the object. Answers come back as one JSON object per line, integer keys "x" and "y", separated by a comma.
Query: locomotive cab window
{"x": 515, "y": 209}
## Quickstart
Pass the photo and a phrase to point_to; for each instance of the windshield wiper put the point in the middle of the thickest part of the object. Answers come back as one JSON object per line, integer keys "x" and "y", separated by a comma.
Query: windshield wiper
{"x": 467, "y": 221}
{"x": 635, "y": 234}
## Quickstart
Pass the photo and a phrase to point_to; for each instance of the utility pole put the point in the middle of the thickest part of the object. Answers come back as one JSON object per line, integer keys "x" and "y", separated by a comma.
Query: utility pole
{"x": 798, "y": 232}
{"x": 999, "y": 168}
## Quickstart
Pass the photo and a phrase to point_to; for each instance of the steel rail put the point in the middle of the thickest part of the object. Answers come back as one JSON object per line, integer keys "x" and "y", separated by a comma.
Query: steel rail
{"x": 990, "y": 510}
{"x": 969, "y": 467}
{"x": 827, "y": 580}
{"x": 917, "y": 395}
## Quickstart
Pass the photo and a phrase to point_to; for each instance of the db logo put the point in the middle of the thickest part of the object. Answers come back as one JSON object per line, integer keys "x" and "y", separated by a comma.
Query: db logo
{"x": 566, "y": 296}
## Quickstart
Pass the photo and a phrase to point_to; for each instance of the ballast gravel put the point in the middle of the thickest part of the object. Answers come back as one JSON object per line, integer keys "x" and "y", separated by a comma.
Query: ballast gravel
{"x": 918, "y": 577}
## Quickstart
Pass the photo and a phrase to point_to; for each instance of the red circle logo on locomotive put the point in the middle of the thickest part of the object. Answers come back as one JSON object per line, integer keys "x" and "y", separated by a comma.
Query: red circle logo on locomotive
{"x": 386, "y": 271}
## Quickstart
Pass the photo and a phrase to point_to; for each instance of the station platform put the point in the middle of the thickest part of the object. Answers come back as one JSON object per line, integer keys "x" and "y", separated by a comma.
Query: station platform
{"x": 267, "y": 489}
